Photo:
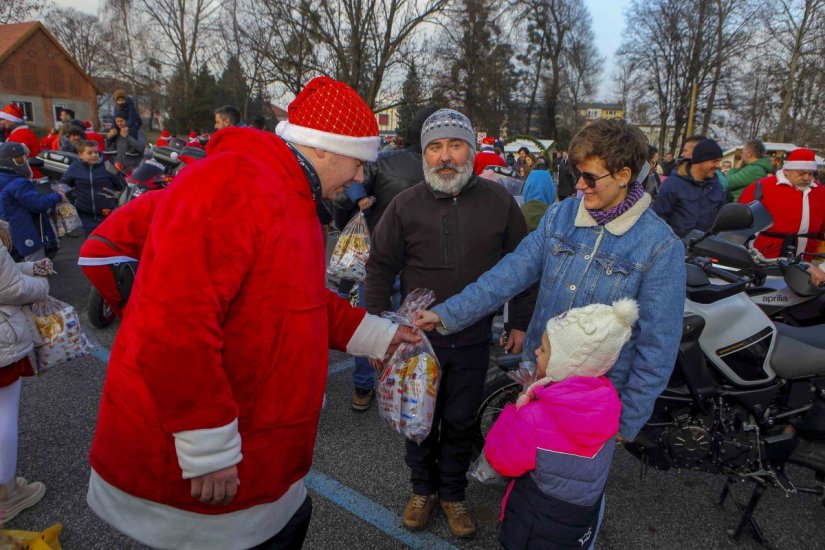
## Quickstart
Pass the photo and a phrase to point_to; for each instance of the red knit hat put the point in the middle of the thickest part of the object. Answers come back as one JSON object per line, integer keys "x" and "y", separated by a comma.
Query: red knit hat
{"x": 330, "y": 115}
{"x": 12, "y": 113}
{"x": 800, "y": 159}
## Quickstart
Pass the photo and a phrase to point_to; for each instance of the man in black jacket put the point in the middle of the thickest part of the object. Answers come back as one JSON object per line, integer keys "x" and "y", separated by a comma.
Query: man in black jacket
{"x": 392, "y": 173}
{"x": 442, "y": 234}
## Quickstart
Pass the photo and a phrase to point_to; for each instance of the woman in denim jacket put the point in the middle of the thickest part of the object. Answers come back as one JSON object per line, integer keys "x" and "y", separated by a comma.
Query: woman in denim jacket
{"x": 607, "y": 245}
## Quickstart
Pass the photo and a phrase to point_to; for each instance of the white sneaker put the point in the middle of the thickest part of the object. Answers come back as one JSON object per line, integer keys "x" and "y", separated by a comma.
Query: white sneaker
{"x": 23, "y": 495}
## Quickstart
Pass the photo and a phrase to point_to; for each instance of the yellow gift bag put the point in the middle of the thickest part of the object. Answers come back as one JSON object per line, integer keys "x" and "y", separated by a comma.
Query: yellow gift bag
{"x": 48, "y": 539}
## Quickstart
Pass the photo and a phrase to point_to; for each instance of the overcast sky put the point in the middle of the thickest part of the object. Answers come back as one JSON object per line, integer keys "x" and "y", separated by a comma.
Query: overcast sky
{"x": 608, "y": 24}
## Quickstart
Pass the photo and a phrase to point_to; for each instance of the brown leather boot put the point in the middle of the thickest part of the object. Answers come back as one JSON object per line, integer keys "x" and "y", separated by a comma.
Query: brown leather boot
{"x": 18, "y": 495}
{"x": 461, "y": 524}
{"x": 417, "y": 511}
{"x": 361, "y": 400}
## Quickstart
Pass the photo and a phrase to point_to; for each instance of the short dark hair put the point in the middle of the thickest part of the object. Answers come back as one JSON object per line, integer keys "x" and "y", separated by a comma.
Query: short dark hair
{"x": 69, "y": 111}
{"x": 756, "y": 147}
{"x": 231, "y": 112}
{"x": 615, "y": 141}
{"x": 525, "y": 149}
{"x": 695, "y": 137}
{"x": 86, "y": 143}
{"x": 75, "y": 131}
{"x": 651, "y": 151}
{"x": 259, "y": 122}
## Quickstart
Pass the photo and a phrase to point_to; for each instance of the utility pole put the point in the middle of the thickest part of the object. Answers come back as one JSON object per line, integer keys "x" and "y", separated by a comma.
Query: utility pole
{"x": 692, "y": 111}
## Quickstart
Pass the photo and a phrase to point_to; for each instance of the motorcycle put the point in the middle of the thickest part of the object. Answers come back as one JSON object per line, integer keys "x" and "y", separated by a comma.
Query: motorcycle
{"x": 745, "y": 392}
{"x": 779, "y": 286}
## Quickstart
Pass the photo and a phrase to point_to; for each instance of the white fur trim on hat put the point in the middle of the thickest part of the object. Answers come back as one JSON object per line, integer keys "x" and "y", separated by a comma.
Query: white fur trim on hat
{"x": 10, "y": 117}
{"x": 361, "y": 148}
{"x": 800, "y": 165}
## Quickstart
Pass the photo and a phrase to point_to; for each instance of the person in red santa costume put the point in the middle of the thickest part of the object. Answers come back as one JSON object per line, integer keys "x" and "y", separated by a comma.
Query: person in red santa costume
{"x": 12, "y": 119}
{"x": 213, "y": 393}
{"x": 164, "y": 138}
{"x": 797, "y": 204}
{"x": 92, "y": 134}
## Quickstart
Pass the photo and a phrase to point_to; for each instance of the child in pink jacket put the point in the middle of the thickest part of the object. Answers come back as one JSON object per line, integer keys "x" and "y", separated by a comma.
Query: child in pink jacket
{"x": 557, "y": 440}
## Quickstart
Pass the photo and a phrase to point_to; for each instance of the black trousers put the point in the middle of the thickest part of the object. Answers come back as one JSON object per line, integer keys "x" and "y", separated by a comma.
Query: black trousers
{"x": 292, "y": 536}
{"x": 440, "y": 463}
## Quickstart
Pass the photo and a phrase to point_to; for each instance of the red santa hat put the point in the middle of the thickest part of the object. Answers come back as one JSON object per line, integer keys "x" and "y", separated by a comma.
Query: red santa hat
{"x": 87, "y": 124}
{"x": 800, "y": 159}
{"x": 12, "y": 113}
{"x": 165, "y": 134}
{"x": 330, "y": 115}
{"x": 193, "y": 135}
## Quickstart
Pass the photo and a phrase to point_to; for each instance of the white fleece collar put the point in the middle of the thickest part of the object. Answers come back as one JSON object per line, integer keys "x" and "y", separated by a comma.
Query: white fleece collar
{"x": 620, "y": 225}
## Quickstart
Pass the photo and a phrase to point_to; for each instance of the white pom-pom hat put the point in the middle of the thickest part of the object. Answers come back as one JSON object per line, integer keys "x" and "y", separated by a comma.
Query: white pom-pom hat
{"x": 586, "y": 341}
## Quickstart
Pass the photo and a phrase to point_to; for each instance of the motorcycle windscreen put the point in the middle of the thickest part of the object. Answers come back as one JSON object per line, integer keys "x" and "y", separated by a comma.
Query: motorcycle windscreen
{"x": 762, "y": 220}
{"x": 146, "y": 173}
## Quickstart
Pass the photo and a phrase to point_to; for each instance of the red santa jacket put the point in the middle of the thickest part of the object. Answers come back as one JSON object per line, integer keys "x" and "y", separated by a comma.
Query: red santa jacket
{"x": 22, "y": 134}
{"x": 229, "y": 318}
{"x": 119, "y": 238}
{"x": 793, "y": 212}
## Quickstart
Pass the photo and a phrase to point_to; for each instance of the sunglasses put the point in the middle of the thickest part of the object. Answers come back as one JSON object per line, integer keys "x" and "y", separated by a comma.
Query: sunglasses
{"x": 589, "y": 179}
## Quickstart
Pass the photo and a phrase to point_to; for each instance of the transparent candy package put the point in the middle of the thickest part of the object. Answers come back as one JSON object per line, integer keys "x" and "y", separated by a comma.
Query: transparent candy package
{"x": 349, "y": 258}
{"x": 408, "y": 384}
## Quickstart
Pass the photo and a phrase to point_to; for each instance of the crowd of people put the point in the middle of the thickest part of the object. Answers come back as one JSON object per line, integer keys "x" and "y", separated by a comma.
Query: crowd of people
{"x": 589, "y": 266}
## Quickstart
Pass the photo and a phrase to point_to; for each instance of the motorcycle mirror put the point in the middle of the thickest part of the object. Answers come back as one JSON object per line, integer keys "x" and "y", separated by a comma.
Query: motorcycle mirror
{"x": 732, "y": 216}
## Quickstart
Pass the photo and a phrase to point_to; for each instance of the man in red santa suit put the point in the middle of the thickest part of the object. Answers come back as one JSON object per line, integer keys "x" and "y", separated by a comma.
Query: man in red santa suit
{"x": 797, "y": 204}
{"x": 164, "y": 138}
{"x": 12, "y": 119}
{"x": 214, "y": 387}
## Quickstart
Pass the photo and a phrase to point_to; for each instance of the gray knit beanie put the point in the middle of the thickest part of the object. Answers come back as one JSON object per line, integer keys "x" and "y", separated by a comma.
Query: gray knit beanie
{"x": 447, "y": 123}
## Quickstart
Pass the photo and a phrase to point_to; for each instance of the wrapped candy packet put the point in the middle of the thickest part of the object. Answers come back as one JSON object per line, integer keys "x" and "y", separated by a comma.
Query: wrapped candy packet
{"x": 65, "y": 219}
{"x": 408, "y": 385}
{"x": 59, "y": 338}
{"x": 349, "y": 258}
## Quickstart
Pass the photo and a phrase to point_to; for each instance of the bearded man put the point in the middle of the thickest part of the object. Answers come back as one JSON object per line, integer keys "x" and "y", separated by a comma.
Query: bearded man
{"x": 442, "y": 234}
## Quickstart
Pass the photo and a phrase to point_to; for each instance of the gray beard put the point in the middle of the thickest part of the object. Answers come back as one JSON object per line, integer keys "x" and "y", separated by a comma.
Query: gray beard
{"x": 450, "y": 185}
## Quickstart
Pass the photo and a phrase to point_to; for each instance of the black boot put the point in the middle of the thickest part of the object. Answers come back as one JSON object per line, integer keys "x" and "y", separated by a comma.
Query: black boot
{"x": 810, "y": 454}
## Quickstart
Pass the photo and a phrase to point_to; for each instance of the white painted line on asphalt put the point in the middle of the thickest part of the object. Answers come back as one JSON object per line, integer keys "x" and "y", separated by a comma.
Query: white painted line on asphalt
{"x": 372, "y": 512}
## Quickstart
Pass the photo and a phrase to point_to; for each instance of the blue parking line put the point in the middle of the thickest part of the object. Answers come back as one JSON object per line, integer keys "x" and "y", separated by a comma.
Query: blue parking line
{"x": 341, "y": 366}
{"x": 101, "y": 353}
{"x": 372, "y": 512}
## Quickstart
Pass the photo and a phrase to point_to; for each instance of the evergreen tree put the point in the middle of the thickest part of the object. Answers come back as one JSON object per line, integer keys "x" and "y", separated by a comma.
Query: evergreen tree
{"x": 233, "y": 88}
{"x": 411, "y": 100}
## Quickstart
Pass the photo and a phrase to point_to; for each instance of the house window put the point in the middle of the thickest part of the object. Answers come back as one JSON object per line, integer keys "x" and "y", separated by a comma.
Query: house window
{"x": 30, "y": 79}
{"x": 56, "y": 112}
{"x": 592, "y": 113}
{"x": 7, "y": 75}
{"x": 26, "y": 106}
{"x": 56, "y": 79}
{"x": 383, "y": 119}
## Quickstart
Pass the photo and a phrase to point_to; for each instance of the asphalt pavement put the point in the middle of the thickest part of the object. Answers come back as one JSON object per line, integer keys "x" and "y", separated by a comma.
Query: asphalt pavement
{"x": 359, "y": 483}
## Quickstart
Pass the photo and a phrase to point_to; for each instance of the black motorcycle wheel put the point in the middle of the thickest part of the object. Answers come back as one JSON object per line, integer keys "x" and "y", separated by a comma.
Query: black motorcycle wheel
{"x": 100, "y": 314}
{"x": 498, "y": 393}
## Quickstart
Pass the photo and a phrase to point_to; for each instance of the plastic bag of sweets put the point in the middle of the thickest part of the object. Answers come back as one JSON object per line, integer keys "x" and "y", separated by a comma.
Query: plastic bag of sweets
{"x": 349, "y": 258}
{"x": 408, "y": 385}
{"x": 60, "y": 338}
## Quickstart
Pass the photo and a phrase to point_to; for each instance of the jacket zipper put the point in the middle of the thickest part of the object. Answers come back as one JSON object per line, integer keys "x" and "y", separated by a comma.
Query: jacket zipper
{"x": 458, "y": 266}
{"x": 445, "y": 226}
{"x": 587, "y": 267}
{"x": 92, "y": 190}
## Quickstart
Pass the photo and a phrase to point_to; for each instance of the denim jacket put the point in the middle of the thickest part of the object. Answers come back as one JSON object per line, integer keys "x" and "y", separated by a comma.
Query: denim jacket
{"x": 578, "y": 263}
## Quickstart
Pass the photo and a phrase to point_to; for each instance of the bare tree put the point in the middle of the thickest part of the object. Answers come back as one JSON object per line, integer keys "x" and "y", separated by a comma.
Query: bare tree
{"x": 18, "y": 11}
{"x": 81, "y": 34}
{"x": 796, "y": 33}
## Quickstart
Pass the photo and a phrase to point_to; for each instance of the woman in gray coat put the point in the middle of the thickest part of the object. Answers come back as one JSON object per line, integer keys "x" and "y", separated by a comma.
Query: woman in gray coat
{"x": 19, "y": 285}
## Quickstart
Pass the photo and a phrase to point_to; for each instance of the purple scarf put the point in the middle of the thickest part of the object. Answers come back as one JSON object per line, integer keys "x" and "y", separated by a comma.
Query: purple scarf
{"x": 635, "y": 193}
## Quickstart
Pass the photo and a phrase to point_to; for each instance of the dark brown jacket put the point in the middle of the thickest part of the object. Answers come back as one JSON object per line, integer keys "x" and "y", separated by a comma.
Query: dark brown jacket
{"x": 444, "y": 243}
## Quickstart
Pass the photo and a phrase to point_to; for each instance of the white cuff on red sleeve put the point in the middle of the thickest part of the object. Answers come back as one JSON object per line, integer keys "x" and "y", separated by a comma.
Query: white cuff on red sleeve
{"x": 201, "y": 452}
{"x": 372, "y": 337}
